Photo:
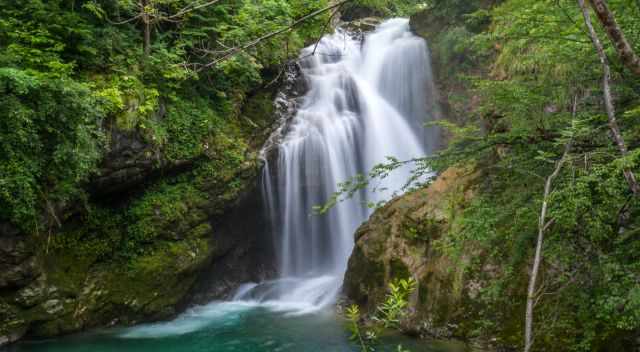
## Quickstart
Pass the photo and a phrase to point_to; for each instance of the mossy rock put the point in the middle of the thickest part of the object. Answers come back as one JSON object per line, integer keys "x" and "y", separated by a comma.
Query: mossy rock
{"x": 12, "y": 324}
{"x": 385, "y": 251}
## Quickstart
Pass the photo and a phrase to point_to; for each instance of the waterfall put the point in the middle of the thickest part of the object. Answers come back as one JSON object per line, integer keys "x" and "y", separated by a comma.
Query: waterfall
{"x": 367, "y": 100}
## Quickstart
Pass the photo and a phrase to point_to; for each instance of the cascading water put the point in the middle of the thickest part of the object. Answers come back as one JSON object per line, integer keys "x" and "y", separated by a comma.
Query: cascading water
{"x": 367, "y": 100}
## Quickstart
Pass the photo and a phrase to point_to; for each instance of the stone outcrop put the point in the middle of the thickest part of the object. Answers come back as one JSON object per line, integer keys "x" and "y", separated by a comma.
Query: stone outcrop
{"x": 403, "y": 239}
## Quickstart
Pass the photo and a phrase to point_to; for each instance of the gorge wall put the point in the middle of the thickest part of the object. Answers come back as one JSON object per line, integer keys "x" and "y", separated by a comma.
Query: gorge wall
{"x": 157, "y": 235}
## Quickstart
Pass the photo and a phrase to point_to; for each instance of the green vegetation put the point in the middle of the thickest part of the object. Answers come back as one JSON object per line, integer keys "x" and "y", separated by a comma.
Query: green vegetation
{"x": 186, "y": 81}
{"x": 126, "y": 127}
{"x": 524, "y": 84}
{"x": 388, "y": 315}
{"x": 73, "y": 74}
{"x": 544, "y": 92}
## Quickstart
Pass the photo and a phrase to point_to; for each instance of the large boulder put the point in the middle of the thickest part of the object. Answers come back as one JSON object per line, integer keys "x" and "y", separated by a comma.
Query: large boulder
{"x": 400, "y": 240}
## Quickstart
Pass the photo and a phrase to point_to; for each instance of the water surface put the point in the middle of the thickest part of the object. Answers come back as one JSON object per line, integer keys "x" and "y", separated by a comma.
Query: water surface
{"x": 226, "y": 327}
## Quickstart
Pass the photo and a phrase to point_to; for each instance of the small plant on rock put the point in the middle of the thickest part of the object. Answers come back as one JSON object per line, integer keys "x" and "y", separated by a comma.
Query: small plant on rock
{"x": 387, "y": 316}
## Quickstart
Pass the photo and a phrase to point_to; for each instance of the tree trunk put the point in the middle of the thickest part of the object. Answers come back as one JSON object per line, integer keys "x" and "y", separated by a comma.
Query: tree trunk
{"x": 542, "y": 227}
{"x": 146, "y": 23}
{"x": 624, "y": 49}
{"x": 616, "y": 135}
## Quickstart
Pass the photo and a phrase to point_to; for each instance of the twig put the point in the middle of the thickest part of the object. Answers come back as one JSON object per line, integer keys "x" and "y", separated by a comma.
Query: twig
{"x": 186, "y": 9}
{"x": 324, "y": 28}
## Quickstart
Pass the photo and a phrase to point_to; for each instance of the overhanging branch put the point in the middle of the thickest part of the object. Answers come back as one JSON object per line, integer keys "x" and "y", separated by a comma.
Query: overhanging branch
{"x": 238, "y": 49}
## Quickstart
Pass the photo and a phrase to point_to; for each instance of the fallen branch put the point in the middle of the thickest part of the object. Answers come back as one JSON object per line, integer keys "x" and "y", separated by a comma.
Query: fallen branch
{"x": 324, "y": 28}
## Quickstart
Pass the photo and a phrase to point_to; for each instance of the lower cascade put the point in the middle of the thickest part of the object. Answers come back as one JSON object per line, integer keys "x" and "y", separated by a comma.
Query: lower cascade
{"x": 368, "y": 99}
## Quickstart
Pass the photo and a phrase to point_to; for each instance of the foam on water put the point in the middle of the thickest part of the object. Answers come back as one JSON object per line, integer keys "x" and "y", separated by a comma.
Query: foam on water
{"x": 197, "y": 318}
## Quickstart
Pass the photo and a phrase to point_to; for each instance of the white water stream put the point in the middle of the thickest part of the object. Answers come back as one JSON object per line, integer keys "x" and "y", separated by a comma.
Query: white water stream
{"x": 367, "y": 100}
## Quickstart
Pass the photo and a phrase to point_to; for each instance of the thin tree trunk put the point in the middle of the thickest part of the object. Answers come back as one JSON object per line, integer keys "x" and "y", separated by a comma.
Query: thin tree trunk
{"x": 146, "y": 23}
{"x": 616, "y": 135}
{"x": 543, "y": 224}
{"x": 624, "y": 49}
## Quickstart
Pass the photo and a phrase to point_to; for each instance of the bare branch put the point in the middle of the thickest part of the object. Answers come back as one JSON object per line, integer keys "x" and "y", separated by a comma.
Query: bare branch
{"x": 324, "y": 28}
{"x": 542, "y": 227}
{"x": 125, "y": 21}
{"x": 190, "y": 8}
{"x": 616, "y": 135}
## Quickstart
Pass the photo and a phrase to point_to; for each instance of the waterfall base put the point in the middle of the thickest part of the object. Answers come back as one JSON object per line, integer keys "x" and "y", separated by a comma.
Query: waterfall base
{"x": 293, "y": 295}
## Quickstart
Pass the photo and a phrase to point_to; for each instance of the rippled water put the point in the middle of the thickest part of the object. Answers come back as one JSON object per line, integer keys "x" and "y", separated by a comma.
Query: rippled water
{"x": 226, "y": 327}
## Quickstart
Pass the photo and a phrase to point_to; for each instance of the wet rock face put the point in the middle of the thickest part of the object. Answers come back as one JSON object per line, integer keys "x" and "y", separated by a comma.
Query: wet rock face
{"x": 17, "y": 263}
{"x": 127, "y": 163}
{"x": 244, "y": 251}
{"x": 204, "y": 256}
{"x": 352, "y": 12}
{"x": 201, "y": 239}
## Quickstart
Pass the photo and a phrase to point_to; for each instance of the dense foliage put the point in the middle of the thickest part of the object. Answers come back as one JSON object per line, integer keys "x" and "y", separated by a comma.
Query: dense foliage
{"x": 73, "y": 72}
{"x": 542, "y": 92}
{"x": 523, "y": 81}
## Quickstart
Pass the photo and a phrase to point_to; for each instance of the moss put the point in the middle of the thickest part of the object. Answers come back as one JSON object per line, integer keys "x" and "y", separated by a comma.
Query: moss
{"x": 362, "y": 284}
{"x": 168, "y": 212}
{"x": 11, "y": 321}
{"x": 259, "y": 111}
{"x": 161, "y": 279}
{"x": 398, "y": 269}
{"x": 424, "y": 229}
{"x": 67, "y": 270}
{"x": 93, "y": 236}
{"x": 189, "y": 126}
{"x": 62, "y": 324}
